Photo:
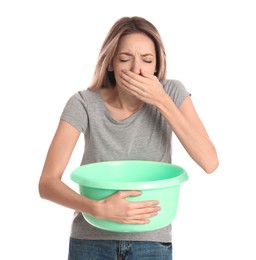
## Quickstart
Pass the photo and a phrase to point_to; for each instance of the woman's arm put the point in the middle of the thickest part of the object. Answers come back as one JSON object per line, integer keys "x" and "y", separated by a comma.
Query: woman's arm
{"x": 51, "y": 187}
{"x": 184, "y": 121}
{"x": 190, "y": 131}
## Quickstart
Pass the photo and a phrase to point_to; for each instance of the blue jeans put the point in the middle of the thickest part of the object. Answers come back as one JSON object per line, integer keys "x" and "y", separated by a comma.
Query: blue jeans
{"x": 80, "y": 249}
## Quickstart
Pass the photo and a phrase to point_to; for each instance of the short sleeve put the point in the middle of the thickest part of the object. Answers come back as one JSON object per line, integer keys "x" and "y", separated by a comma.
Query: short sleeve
{"x": 75, "y": 112}
{"x": 176, "y": 90}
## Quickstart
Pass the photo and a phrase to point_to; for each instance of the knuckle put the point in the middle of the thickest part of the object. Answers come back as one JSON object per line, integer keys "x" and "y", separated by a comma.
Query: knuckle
{"x": 128, "y": 214}
{"x": 125, "y": 221}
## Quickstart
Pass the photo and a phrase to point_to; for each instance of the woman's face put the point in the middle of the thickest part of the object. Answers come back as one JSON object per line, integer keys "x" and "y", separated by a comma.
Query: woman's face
{"x": 134, "y": 52}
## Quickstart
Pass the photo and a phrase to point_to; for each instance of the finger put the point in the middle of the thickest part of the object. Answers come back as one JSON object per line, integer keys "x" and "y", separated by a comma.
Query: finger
{"x": 145, "y": 211}
{"x": 146, "y": 204}
{"x": 147, "y": 216}
{"x": 136, "y": 221}
{"x": 135, "y": 89}
{"x": 146, "y": 74}
{"x": 131, "y": 77}
{"x": 129, "y": 193}
{"x": 135, "y": 193}
{"x": 140, "y": 217}
{"x": 128, "y": 81}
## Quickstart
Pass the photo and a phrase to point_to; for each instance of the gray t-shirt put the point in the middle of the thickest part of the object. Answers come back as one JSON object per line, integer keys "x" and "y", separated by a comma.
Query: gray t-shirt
{"x": 144, "y": 135}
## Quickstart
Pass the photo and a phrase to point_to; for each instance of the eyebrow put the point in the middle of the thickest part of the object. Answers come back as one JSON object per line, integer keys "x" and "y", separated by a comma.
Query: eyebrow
{"x": 129, "y": 54}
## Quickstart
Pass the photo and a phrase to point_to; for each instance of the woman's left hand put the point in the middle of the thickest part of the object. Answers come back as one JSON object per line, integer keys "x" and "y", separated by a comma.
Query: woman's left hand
{"x": 143, "y": 86}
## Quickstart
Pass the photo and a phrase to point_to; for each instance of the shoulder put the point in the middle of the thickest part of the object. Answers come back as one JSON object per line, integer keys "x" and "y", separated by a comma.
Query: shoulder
{"x": 176, "y": 90}
{"x": 84, "y": 97}
{"x": 172, "y": 84}
{"x": 80, "y": 95}
{"x": 75, "y": 111}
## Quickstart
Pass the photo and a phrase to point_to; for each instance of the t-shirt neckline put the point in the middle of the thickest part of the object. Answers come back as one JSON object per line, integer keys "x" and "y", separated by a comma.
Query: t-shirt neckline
{"x": 119, "y": 122}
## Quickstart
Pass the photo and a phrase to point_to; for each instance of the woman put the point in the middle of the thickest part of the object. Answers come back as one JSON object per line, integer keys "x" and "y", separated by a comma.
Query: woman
{"x": 129, "y": 112}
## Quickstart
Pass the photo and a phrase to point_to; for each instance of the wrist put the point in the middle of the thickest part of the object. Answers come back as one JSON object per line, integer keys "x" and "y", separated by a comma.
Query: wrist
{"x": 162, "y": 101}
{"x": 96, "y": 208}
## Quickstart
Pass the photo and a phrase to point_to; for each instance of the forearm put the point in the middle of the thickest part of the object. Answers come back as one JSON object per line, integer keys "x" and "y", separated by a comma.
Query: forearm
{"x": 192, "y": 136}
{"x": 57, "y": 191}
{"x": 114, "y": 208}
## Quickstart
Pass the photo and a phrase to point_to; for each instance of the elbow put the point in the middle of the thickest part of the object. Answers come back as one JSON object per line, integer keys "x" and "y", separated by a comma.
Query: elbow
{"x": 211, "y": 166}
{"x": 42, "y": 189}
{"x": 211, "y": 161}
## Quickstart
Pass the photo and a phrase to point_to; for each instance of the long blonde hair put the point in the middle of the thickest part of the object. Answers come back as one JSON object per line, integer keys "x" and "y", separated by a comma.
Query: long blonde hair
{"x": 124, "y": 26}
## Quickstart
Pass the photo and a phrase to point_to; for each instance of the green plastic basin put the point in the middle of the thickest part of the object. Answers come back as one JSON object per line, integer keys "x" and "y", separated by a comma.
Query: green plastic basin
{"x": 156, "y": 180}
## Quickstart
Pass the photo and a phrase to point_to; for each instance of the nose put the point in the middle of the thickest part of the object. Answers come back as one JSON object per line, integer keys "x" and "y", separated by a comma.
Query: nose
{"x": 136, "y": 67}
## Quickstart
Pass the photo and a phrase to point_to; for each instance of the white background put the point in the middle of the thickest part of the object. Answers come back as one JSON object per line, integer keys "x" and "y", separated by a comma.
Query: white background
{"x": 48, "y": 50}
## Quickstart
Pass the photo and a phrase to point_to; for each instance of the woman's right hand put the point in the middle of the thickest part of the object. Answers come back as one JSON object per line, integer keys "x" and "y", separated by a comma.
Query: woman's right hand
{"x": 118, "y": 209}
